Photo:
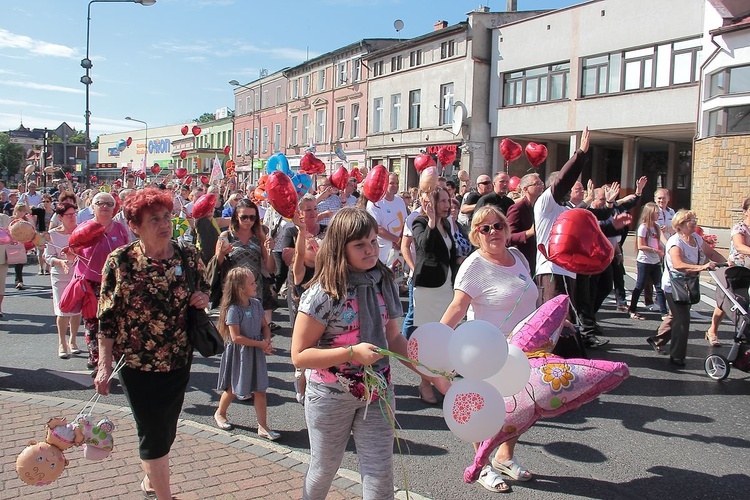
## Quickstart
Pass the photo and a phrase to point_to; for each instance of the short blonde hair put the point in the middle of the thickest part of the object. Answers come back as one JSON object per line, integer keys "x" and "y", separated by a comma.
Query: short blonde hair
{"x": 480, "y": 216}
{"x": 681, "y": 217}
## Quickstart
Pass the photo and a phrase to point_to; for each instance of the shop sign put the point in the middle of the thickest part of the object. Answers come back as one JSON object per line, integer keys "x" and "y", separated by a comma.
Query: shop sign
{"x": 433, "y": 150}
{"x": 113, "y": 152}
{"x": 159, "y": 146}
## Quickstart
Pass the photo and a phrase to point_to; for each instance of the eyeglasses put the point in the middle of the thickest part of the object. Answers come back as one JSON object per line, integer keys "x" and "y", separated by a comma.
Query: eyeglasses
{"x": 694, "y": 219}
{"x": 248, "y": 217}
{"x": 486, "y": 228}
{"x": 537, "y": 183}
{"x": 484, "y": 183}
{"x": 69, "y": 214}
{"x": 109, "y": 204}
{"x": 46, "y": 201}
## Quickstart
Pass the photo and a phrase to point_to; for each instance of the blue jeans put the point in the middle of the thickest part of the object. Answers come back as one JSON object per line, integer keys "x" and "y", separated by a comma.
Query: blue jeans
{"x": 408, "y": 327}
{"x": 654, "y": 272}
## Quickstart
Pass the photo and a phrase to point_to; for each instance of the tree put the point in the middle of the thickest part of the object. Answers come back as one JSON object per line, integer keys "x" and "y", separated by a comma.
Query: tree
{"x": 11, "y": 157}
{"x": 205, "y": 118}
{"x": 76, "y": 138}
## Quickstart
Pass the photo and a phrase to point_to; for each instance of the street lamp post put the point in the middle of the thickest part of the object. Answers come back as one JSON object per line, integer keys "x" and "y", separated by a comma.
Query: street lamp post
{"x": 263, "y": 73}
{"x": 145, "y": 155}
{"x": 86, "y": 79}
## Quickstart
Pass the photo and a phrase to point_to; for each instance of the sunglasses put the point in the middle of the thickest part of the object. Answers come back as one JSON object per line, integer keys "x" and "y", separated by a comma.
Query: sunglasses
{"x": 484, "y": 183}
{"x": 109, "y": 204}
{"x": 486, "y": 228}
{"x": 248, "y": 217}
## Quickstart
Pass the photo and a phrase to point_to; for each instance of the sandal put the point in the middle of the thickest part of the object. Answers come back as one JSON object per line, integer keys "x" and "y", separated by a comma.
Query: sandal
{"x": 492, "y": 481}
{"x": 270, "y": 435}
{"x": 427, "y": 397}
{"x": 62, "y": 352}
{"x": 222, "y": 423}
{"x": 146, "y": 492}
{"x": 74, "y": 349}
{"x": 713, "y": 339}
{"x": 637, "y": 316}
{"x": 513, "y": 469}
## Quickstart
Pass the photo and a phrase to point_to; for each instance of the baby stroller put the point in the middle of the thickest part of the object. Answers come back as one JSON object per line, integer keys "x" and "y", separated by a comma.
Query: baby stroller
{"x": 736, "y": 308}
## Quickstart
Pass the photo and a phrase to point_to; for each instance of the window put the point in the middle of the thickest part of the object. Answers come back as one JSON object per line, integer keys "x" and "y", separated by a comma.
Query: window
{"x": 446, "y": 104}
{"x": 322, "y": 79}
{"x": 320, "y": 125}
{"x": 447, "y": 49}
{"x": 295, "y": 88}
{"x": 264, "y": 96}
{"x": 295, "y": 126}
{"x": 734, "y": 120}
{"x": 265, "y": 139}
{"x": 238, "y": 149}
{"x": 305, "y": 85}
{"x": 355, "y": 121}
{"x": 250, "y": 103}
{"x": 340, "y": 122}
{"x": 415, "y": 101}
{"x": 730, "y": 81}
{"x": 356, "y": 70}
{"x": 256, "y": 142}
{"x": 396, "y": 63}
{"x": 639, "y": 69}
{"x": 377, "y": 115}
{"x": 305, "y": 129}
{"x": 341, "y": 73}
{"x": 277, "y": 137}
{"x": 248, "y": 142}
{"x": 547, "y": 83}
{"x": 239, "y": 107}
{"x": 396, "y": 112}
{"x": 278, "y": 95}
{"x": 415, "y": 58}
{"x": 377, "y": 68}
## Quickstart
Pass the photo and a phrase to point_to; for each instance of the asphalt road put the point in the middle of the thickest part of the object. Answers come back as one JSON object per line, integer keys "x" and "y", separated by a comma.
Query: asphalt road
{"x": 663, "y": 432}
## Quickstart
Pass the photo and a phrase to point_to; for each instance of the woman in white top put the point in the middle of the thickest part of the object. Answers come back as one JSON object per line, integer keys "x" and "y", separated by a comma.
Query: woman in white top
{"x": 494, "y": 284}
{"x": 686, "y": 253}
{"x": 648, "y": 259}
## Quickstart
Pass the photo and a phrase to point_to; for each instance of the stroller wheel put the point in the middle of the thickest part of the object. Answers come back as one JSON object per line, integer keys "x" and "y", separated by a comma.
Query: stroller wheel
{"x": 716, "y": 366}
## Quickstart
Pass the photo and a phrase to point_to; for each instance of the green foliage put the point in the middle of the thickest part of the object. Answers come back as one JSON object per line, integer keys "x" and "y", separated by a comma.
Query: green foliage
{"x": 205, "y": 118}
{"x": 11, "y": 157}
{"x": 76, "y": 138}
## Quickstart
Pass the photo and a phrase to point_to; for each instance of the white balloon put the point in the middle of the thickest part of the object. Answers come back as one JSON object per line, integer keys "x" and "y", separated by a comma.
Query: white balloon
{"x": 477, "y": 350}
{"x": 514, "y": 375}
{"x": 473, "y": 410}
{"x": 429, "y": 345}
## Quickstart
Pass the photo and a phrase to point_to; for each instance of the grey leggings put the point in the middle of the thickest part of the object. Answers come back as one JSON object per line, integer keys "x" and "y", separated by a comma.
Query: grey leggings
{"x": 329, "y": 423}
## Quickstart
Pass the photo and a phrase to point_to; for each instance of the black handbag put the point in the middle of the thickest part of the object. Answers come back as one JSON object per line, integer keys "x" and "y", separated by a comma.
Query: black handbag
{"x": 201, "y": 331}
{"x": 686, "y": 288}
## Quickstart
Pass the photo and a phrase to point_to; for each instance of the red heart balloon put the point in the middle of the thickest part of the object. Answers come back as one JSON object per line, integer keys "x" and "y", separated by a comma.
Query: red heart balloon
{"x": 155, "y": 169}
{"x": 536, "y": 153}
{"x": 357, "y": 174}
{"x": 188, "y": 180}
{"x": 141, "y": 174}
{"x": 118, "y": 202}
{"x": 340, "y": 177}
{"x": 446, "y": 156}
{"x": 204, "y": 179}
{"x": 180, "y": 172}
{"x": 281, "y": 194}
{"x": 577, "y": 244}
{"x": 510, "y": 150}
{"x": 376, "y": 183}
{"x": 86, "y": 234}
{"x": 204, "y": 206}
{"x": 184, "y": 130}
{"x": 94, "y": 178}
{"x": 129, "y": 141}
{"x": 514, "y": 182}
{"x": 306, "y": 163}
{"x": 227, "y": 149}
{"x": 421, "y": 162}
{"x": 196, "y": 130}
{"x": 183, "y": 154}
{"x": 68, "y": 175}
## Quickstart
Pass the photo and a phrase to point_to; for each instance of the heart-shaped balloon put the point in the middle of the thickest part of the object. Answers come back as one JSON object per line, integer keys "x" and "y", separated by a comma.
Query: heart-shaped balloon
{"x": 536, "y": 153}
{"x": 514, "y": 182}
{"x": 376, "y": 183}
{"x": 184, "y": 130}
{"x": 183, "y": 154}
{"x": 340, "y": 177}
{"x": 510, "y": 150}
{"x": 188, "y": 180}
{"x": 423, "y": 161}
{"x": 155, "y": 168}
{"x": 86, "y": 234}
{"x": 357, "y": 174}
{"x": 262, "y": 181}
{"x": 141, "y": 174}
{"x": 259, "y": 194}
{"x": 278, "y": 162}
{"x": 306, "y": 162}
{"x": 68, "y": 175}
{"x": 204, "y": 206}
{"x": 94, "y": 178}
{"x": 196, "y": 130}
{"x": 122, "y": 144}
{"x": 446, "y": 156}
{"x": 204, "y": 179}
{"x": 282, "y": 194}
{"x": 577, "y": 244}
{"x": 129, "y": 141}
{"x": 428, "y": 179}
{"x": 227, "y": 149}
{"x": 180, "y": 172}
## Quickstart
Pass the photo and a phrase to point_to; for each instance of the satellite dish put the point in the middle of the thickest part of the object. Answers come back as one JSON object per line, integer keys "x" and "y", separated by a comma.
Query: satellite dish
{"x": 398, "y": 24}
{"x": 458, "y": 117}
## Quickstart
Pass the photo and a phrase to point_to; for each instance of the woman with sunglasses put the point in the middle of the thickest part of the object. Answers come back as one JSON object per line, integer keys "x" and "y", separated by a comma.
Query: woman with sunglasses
{"x": 245, "y": 244}
{"x": 494, "y": 284}
{"x": 61, "y": 260}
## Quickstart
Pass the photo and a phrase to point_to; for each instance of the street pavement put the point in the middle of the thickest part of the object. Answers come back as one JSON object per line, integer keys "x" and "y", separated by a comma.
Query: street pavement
{"x": 664, "y": 431}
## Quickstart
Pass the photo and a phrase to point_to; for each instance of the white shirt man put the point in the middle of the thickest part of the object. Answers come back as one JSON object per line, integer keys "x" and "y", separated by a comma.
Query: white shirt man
{"x": 390, "y": 214}
{"x": 664, "y": 219}
{"x": 31, "y": 197}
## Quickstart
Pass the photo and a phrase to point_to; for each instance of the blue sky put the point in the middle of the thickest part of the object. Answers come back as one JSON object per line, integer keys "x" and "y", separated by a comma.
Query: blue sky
{"x": 171, "y": 62}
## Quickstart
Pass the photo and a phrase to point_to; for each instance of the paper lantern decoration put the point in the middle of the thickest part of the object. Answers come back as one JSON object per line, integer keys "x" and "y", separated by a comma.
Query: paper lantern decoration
{"x": 180, "y": 172}
{"x": 428, "y": 179}
{"x": 227, "y": 149}
{"x": 446, "y": 156}
{"x": 184, "y": 130}
{"x": 477, "y": 350}
{"x": 196, "y": 130}
{"x": 129, "y": 141}
{"x": 22, "y": 231}
{"x": 429, "y": 345}
{"x": 340, "y": 177}
{"x": 423, "y": 161}
{"x": 281, "y": 194}
{"x": 376, "y": 183}
{"x": 577, "y": 244}
{"x": 5, "y": 238}
{"x": 155, "y": 168}
{"x": 510, "y": 150}
{"x": 86, "y": 234}
{"x": 514, "y": 182}
{"x": 122, "y": 144}
{"x": 204, "y": 179}
{"x": 536, "y": 153}
{"x": 473, "y": 410}
{"x": 204, "y": 206}
{"x": 183, "y": 154}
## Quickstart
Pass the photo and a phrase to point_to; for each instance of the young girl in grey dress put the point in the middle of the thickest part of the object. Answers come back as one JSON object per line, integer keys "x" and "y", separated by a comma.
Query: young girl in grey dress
{"x": 248, "y": 338}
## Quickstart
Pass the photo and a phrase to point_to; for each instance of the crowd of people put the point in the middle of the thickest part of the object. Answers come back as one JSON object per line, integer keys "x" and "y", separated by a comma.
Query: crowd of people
{"x": 458, "y": 252}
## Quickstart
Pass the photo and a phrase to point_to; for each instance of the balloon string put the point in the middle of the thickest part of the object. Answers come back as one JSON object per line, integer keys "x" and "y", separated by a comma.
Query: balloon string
{"x": 386, "y": 352}
{"x": 515, "y": 306}
{"x": 95, "y": 398}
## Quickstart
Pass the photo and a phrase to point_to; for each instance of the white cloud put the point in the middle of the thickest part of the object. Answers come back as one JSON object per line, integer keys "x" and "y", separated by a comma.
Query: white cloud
{"x": 45, "y": 86}
{"x": 285, "y": 53}
{"x": 9, "y": 102}
{"x": 10, "y": 40}
{"x": 99, "y": 125}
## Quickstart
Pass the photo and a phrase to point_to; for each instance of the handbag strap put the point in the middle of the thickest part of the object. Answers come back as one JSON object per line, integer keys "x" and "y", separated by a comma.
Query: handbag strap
{"x": 673, "y": 270}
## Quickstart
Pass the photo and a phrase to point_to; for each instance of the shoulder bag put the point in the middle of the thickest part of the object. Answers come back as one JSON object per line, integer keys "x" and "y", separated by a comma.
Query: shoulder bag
{"x": 16, "y": 253}
{"x": 686, "y": 288}
{"x": 201, "y": 331}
